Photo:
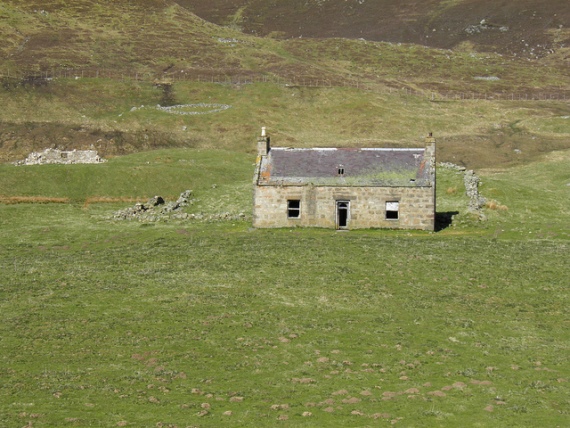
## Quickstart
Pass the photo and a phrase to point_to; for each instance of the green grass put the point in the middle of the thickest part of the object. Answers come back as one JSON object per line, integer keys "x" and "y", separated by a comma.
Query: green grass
{"x": 147, "y": 325}
{"x": 176, "y": 323}
{"x": 219, "y": 180}
{"x": 535, "y": 197}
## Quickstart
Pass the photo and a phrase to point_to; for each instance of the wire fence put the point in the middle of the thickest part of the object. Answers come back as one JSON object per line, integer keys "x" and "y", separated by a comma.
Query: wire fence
{"x": 44, "y": 77}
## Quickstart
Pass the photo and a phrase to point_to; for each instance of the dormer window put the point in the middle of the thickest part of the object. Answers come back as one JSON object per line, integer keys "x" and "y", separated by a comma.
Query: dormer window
{"x": 340, "y": 170}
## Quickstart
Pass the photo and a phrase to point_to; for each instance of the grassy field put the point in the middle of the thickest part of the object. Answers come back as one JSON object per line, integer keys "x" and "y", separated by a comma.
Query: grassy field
{"x": 212, "y": 323}
{"x": 207, "y": 322}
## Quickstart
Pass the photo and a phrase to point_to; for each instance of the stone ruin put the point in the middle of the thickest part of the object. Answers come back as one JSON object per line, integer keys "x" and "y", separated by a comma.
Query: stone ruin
{"x": 156, "y": 209}
{"x": 471, "y": 182}
{"x": 476, "y": 201}
{"x": 56, "y": 156}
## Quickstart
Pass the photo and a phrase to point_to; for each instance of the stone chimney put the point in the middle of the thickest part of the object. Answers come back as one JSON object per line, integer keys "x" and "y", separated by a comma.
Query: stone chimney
{"x": 430, "y": 147}
{"x": 263, "y": 145}
{"x": 429, "y": 156}
{"x": 430, "y": 138}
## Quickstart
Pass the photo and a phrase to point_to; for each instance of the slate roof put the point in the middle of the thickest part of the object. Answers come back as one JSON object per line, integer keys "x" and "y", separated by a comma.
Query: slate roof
{"x": 361, "y": 167}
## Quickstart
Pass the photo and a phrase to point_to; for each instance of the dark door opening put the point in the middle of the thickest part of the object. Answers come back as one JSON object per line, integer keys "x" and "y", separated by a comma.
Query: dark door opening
{"x": 342, "y": 214}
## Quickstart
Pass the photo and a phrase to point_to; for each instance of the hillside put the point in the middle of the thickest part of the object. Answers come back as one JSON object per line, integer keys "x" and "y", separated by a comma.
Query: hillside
{"x": 72, "y": 74}
{"x": 166, "y": 36}
{"x": 120, "y": 36}
{"x": 530, "y": 28}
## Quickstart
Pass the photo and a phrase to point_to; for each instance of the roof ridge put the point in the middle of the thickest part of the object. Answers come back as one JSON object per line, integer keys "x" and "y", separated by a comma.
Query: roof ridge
{"x": 386, "y": 149}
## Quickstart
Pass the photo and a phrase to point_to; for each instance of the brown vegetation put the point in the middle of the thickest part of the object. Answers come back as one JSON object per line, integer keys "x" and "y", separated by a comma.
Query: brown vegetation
{"x": 532, "y": 28}
{"x": 10, "y": 200}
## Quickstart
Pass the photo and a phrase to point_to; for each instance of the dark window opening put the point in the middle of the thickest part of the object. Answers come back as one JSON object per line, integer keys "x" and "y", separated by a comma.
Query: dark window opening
{"x": 392, "y": 210}
{"x": 340, "y": 170}
{"x": 293, "y": 208}
{"x": 391, "y": 215}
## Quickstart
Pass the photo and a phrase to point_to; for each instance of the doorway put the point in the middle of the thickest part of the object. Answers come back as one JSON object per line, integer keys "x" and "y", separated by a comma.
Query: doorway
{"x": 342, "y": 214}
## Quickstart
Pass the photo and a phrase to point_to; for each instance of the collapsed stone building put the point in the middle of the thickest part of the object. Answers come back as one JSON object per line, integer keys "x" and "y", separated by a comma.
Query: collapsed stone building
{"x": 344, "y": 188}
{"x": 56, "y": 156}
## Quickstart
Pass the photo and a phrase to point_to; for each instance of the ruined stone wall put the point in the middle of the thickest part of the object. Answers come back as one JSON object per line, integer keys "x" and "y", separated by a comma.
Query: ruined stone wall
{"x": 471, "y": 181}
{"x": 56, "y": 156}
{"x": 367, "y": 206}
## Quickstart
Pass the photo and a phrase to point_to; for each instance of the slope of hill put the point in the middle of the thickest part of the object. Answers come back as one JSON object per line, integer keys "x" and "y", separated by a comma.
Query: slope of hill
{"x": 142, "y": 36}
{"x": 531, "y": 28}
{"x": 49, "y": 46}
{"x": 166, "y": 36}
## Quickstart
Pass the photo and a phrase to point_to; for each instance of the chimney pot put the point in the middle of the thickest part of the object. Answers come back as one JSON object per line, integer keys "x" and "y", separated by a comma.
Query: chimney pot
{"x": 430, "y": 138}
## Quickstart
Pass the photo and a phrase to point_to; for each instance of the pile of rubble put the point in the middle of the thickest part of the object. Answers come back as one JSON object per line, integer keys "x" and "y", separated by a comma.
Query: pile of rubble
{"x": 65, "y": 157}
{"x": 157, "y": 209}
{"x": 449, "y": 165}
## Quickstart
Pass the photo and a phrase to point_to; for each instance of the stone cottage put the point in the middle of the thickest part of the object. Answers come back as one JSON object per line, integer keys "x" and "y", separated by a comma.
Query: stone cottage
{"x": 344, "y": 188}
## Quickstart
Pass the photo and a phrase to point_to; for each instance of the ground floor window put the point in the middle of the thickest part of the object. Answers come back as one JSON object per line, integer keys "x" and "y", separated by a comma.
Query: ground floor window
{"x": 392, "y": 210}
{"x": 293, "y": 208}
